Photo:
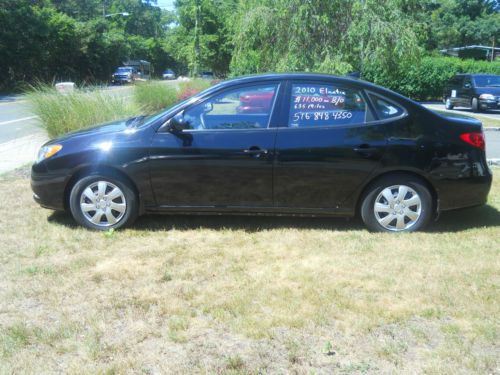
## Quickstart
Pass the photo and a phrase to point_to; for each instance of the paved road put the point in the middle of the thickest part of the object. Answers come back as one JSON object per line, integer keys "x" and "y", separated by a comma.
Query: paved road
{"x": 21, "y": 134}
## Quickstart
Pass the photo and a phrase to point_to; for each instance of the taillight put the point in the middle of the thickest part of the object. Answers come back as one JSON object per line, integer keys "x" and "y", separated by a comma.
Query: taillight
{"x": 475, "y": 139}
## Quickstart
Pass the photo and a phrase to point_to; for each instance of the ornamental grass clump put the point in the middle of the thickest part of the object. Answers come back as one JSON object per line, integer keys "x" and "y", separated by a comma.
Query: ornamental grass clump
{"x": 64, "y": 113}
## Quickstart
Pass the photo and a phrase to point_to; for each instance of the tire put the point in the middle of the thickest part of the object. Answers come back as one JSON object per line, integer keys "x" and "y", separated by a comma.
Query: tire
{"x": 116, "y": 208}
{"x": 448, "y": 104}
{"x": 381, "y": 203}
{"x": 474, "y": 105}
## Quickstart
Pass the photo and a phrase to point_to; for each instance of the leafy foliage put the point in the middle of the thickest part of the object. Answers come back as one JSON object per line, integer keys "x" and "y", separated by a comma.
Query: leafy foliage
{"x": 72, "y": 40}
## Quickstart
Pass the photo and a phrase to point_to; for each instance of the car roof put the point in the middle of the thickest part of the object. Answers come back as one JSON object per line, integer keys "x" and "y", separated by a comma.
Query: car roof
{"x": 304, "y": 76}
{"x": 361, "y": 84}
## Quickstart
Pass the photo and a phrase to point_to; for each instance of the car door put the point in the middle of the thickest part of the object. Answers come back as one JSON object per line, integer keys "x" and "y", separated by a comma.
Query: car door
{"x": 328, "y": 148}
{"x": 466, "y": 92}
{"x": 455, "y": 86}
{"x": 223, "y": 158}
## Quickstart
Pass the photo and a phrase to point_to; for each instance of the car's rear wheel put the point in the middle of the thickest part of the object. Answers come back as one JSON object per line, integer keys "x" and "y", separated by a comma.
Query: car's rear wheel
{"x": 475, "y": 105}
{"x": 448, "y": 104}
{"x": 397, "y": 204}
{"x": 103, "y": 202}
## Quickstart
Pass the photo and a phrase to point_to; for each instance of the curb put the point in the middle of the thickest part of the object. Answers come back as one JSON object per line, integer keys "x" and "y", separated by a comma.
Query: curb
{"x": 491, "y": 129}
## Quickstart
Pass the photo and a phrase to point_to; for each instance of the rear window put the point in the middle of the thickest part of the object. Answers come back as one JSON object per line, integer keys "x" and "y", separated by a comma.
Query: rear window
{"x": 325, "y": 105}
{"x": 385, "y": 108}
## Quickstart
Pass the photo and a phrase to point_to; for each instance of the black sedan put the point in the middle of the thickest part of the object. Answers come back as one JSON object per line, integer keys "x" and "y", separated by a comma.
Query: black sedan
{"x": 306, "y": 144}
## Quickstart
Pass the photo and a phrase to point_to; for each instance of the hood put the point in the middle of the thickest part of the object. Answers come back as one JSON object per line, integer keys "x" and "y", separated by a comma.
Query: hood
{"x": 107, "y": 128}
{"x": 489, "y": 90}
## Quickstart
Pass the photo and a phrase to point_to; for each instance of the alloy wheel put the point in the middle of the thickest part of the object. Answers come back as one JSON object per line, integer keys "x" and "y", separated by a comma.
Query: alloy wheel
{"x": 397, "y": 208}
{"x": 103, "y": 203}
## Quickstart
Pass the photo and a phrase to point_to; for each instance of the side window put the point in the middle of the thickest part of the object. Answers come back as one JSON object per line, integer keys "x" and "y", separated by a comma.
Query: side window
{"x": 241, "y": 108}
{"x": 385, "y": 108}
{"x": 325, "y": 105}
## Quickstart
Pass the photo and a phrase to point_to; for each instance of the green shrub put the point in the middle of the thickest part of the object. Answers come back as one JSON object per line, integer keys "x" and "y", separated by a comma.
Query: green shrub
{"x": 153, "y": 96}
{"x": 427, "y": 79}
{"x": 64, "y": 113}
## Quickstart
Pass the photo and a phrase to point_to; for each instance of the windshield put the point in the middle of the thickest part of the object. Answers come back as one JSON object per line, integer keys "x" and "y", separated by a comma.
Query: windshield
{"x": 124, "y": 69}
{"x": 167, "y": 111}
{"x": 487, "y": 81}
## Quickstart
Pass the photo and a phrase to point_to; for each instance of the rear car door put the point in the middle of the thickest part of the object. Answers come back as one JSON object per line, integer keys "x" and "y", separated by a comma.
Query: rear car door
{"x": 328, "y": 148}
{"x": 224, "y": 158}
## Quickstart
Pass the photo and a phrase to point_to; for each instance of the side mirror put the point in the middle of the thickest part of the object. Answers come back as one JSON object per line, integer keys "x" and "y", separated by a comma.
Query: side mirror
{"x": 177, "y": 123}
{"x": 208, "y": 107}
{"x": 467, "y": 86}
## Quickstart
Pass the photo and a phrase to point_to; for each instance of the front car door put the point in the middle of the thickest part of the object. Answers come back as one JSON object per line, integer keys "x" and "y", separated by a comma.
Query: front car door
{"x": 224, "y": 158}
{"x": 454, "y": 89}
{"x": 329, "y": 147}
{"x": 466, "y": 92}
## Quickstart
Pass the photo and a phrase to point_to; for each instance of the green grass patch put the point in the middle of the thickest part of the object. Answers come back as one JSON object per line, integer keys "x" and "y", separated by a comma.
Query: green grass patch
{"x": 64, "y": 113}
{"x": 153, "y": 96}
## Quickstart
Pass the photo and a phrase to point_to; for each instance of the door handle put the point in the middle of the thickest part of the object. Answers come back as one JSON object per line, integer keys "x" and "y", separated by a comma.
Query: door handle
{"x": 255, "y": 151}
{"x": 365, "y": 149}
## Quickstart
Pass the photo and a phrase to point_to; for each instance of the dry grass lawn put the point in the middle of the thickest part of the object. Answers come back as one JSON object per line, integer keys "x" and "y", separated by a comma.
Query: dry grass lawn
{"x": 246, "y": 295}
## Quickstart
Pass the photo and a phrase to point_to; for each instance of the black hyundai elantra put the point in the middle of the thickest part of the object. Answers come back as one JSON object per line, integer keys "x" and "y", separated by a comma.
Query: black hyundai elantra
{"x": 294, "y": 144}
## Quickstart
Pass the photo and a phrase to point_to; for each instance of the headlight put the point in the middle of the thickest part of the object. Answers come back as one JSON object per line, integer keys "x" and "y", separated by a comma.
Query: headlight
{"x": 47, "y": 151}
{"x": 486, "y": 97}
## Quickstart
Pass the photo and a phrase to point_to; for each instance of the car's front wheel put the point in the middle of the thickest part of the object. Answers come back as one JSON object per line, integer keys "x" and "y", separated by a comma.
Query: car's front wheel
{"x": 397, "y": 204}
{"x": 475, "y": 105}
{"x": 448, "y": 104}
{"x": 103, "y": 202}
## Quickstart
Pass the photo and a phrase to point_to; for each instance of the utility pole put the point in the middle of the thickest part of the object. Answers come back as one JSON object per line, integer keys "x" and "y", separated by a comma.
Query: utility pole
{"x": 196, "y": 61}
{"x": 493, "y": 51}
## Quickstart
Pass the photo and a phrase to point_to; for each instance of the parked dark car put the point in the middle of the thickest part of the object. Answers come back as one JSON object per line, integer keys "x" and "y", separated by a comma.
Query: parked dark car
{"x": 327, "y": 146}
{"x": 124, "y": 74}
{"x": 476, "y": 91}
{"x": 168, "y": 74}
{"x": 256, "y": 101}
{"x": 207, "y": 75}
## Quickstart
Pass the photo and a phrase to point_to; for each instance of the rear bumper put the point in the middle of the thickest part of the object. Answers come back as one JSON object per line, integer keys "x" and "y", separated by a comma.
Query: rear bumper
{"x": 48, "y": 189}
{"x": 461, "y": 193}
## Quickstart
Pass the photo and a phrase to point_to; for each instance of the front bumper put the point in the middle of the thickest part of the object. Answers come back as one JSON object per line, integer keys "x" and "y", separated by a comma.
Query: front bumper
{"x": 121, "y": 80}
{"x": 48, "y": 189}
{"x": 489, "y": 104}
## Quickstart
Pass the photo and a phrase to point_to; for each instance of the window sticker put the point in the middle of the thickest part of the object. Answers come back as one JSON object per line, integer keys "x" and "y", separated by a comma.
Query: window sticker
{"x": 320, "y": 105}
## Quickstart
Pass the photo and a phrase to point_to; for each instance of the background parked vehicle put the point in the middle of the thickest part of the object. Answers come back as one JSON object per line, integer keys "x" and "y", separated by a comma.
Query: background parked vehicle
{"x": 255, "y": 101}
{"x": 207, "y": 75}
{"x": 324, "y": 145}
{"x": 476, "y": 91}
{"x": 124, "y": 74}
{"x": 168, "y": 74}
{"x": 131, "y": 71}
